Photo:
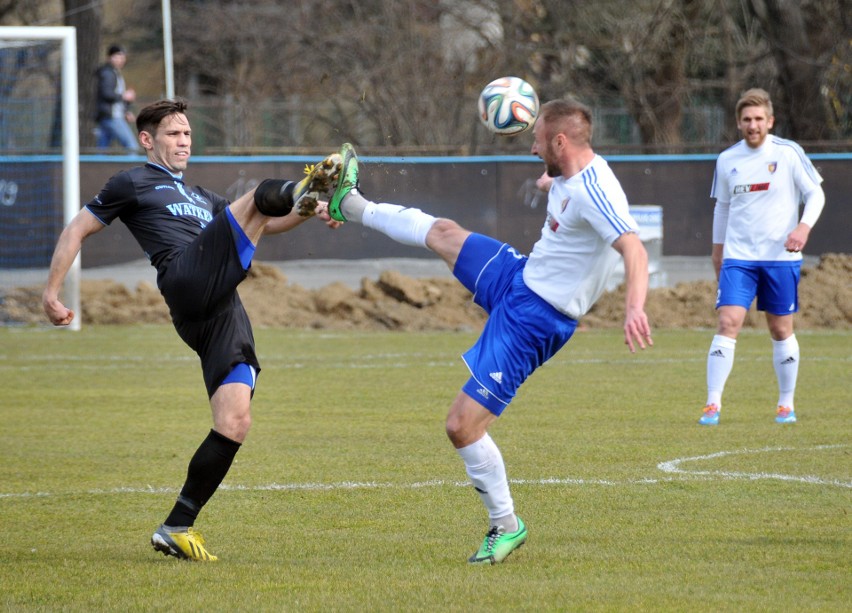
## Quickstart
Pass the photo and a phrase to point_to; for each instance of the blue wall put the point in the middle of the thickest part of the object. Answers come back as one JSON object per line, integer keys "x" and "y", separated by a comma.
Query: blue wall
{"x": 495, "y": 195}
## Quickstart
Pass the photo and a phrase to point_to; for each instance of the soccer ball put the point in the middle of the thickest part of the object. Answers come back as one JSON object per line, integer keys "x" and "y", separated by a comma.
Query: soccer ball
{"x": 508, "y": 105}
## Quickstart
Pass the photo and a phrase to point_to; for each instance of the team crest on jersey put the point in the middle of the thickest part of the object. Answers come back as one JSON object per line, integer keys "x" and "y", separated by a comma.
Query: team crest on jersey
{"x": 552, "y": 223}
{"x": 753, "y": 187}
{"x": 773, "y": 166}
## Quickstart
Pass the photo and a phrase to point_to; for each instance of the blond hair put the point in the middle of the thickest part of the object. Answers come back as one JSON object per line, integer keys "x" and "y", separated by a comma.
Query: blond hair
{"x": 569, "y": 117}
{"x": 754, "y": 97}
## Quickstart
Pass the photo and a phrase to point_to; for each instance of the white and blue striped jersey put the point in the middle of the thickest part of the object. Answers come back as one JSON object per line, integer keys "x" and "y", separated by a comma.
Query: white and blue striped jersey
{"x": 763, "y": 188}
{"x": 572, "y": 261}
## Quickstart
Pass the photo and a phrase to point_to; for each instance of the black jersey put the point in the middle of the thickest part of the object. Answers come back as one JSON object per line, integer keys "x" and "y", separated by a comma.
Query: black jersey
{"x": 159, "y": 209}
{"x": 198, "y": 270}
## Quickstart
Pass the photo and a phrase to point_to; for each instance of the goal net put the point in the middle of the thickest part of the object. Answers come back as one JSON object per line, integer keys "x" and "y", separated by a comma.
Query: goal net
{"x": 39, "y": 165}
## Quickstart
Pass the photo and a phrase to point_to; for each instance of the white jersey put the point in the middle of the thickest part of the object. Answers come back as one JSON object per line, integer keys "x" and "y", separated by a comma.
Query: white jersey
{"x": 572, "y": 261}
{"x": 764, "y": 188}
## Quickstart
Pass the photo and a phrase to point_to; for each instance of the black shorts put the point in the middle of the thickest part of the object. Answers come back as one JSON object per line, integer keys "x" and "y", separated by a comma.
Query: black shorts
{"x": 200, "y": 288}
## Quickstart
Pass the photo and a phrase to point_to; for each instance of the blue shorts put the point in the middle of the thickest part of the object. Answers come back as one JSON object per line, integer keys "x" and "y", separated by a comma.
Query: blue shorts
{"x": 775, "y": 284}
{"x": 522, "y": 332}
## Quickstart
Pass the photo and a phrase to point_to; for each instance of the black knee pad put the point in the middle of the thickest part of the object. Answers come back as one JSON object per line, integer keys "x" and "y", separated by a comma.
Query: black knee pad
{"x": 274, "y": 197}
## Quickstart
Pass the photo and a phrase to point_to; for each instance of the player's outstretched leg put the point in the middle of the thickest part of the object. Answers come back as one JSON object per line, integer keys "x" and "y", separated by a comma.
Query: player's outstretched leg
{"x": 182, "y": 543}
{"x": 406, "y": 225}
{"x": 319, "y": 179}
{"x": 347, "y": 181}
{"x": 499, "y": 544}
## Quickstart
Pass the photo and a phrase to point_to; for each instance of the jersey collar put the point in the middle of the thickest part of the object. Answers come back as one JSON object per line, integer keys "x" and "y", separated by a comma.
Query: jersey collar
{"x": 176, "y": 177}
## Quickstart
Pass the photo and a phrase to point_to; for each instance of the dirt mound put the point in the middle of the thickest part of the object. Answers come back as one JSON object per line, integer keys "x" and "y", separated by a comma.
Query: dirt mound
{"x": 397, "y": 302}
{"x": 825, "y": 301}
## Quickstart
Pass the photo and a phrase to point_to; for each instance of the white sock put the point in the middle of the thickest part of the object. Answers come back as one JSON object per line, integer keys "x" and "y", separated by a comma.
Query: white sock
{"x": 353, "y": 204}
{"x": 484, "y": 465}
{"x": 405, "y": 225}
{"x": 720, "y": 361}
{"x": 785, "y": 358}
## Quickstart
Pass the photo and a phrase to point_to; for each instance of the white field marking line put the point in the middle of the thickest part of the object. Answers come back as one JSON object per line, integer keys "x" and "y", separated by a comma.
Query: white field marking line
{"x": 674, "y": 466}
{"x": 323, "y": 487}
{"x": 122, "y": 362}
{"x": 670, "y": 466}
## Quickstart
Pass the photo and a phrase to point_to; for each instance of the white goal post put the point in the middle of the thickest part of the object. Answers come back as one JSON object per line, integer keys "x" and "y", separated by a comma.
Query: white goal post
{"x": 66, "y": 37}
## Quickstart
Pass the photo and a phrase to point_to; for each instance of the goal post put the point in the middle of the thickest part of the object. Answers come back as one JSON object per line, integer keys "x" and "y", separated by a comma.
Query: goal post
{"x": 20, "y": 153}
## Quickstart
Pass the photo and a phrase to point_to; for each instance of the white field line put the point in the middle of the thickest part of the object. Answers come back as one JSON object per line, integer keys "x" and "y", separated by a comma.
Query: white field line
{"x": 381, "y": 360}
{"x": 674, "y": 467}
{"x": 671, "y": 467}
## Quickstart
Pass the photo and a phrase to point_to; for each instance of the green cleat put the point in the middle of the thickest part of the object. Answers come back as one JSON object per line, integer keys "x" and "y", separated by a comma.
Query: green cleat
{"x": 347, "y": 181}
{"x": 498, "y": 545}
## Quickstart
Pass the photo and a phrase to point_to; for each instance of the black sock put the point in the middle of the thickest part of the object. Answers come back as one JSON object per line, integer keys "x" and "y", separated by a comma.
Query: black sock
{"x": 206, "y": 470}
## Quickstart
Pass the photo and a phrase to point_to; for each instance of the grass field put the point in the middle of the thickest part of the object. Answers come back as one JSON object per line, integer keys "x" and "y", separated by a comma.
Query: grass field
{"x": 348, "y": 497}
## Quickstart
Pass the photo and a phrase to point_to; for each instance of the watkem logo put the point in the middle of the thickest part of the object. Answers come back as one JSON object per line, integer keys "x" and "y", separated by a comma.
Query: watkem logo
{"x": 754, "y": 187}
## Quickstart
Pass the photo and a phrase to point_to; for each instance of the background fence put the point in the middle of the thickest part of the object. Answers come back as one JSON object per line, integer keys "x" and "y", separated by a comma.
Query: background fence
{"x": 493, "y": 195}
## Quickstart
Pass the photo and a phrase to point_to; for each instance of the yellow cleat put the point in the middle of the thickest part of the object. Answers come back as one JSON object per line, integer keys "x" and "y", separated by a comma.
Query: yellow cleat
{"x": 319, "y": 178}
{"x": 182, "y": 543}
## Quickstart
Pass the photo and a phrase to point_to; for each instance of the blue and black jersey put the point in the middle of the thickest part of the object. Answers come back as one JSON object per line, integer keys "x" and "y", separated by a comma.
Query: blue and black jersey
{"x": 159, "y": 209}
{"x": 193, "y": 249}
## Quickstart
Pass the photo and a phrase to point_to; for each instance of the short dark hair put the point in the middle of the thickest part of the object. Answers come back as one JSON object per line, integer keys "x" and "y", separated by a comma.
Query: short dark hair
{"x": 570, "y": 117}
{"x": 113, "y": 49}
{"x": 149, "y": 118}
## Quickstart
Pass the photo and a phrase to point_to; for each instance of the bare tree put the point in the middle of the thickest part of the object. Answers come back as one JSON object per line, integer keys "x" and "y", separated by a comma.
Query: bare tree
{"x": 15, "y": 12}
{"x": 87, "y": 17}
{"x": 805, "y": 39}
{"x": 648, "y": 64}
{"x": 643, "y": 54}
{"x": 406, "y": 74}
{"x": 381, "y": 74}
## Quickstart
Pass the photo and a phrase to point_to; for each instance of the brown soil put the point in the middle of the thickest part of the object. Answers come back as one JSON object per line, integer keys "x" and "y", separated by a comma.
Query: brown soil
{"x": 397, "y": 302}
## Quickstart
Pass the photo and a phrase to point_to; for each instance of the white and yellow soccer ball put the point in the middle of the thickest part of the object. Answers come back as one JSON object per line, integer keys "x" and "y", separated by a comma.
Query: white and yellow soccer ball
{"x": 508, "y": 105}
